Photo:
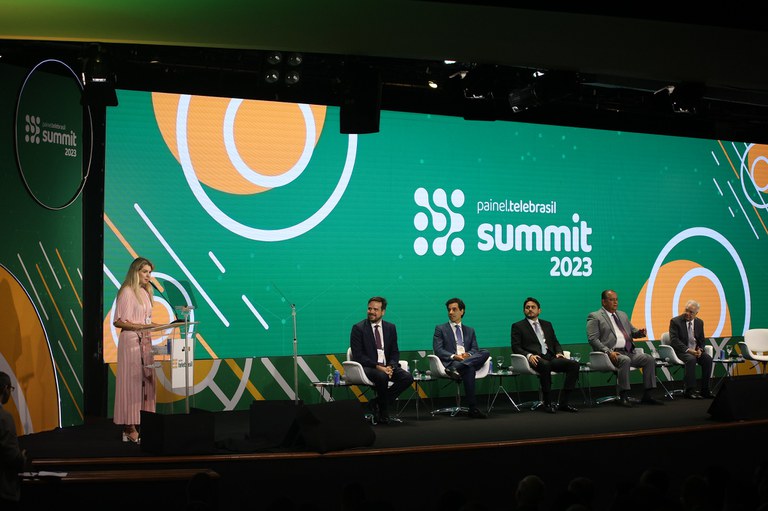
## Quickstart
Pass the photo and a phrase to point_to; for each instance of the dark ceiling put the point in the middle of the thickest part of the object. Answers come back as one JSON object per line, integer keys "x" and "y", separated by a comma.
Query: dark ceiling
{"x": 642, "y": 71}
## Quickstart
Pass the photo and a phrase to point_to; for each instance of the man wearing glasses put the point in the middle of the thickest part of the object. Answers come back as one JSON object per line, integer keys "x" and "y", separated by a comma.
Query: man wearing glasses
{"x": 686, "y": 336}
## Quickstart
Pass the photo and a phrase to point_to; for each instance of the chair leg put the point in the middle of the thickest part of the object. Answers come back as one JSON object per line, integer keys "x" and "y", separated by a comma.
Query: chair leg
{"x": 453, "y": 410}
{"x": 535, "y": 404}
{"x": 670, "y": 394}
{"x": 609, "y": 399}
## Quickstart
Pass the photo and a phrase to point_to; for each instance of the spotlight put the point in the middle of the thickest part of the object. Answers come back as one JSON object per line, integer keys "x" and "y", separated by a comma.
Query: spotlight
{"x": 98, "y": 79}
{"x": 685, "y": 98}
{"x": 523, "y": 99}
{"x": 292, "y": 77}
{"x": 271, "y": 76}
{"x": 294, "y": 59}
{"x": 544, "y": 88}
{"x": 274, "y": 58}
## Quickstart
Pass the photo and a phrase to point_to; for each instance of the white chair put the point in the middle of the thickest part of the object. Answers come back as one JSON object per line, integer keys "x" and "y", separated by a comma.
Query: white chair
{"x": 601, "y": 362}
{"x": 668, "y": 355}
{"x": 754, "y": 347}
{"x": 438, "y": 370}
{"x": 520, "y": 365}
{"x": 355, "y": 375}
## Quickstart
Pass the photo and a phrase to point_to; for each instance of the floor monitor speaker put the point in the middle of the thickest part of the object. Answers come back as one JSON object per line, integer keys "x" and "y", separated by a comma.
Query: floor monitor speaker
{"x": 741, "y": 398}
{"x": 184, "y": 433}
{"x": 273, "y": 423}
{"x": 334, "y": 426}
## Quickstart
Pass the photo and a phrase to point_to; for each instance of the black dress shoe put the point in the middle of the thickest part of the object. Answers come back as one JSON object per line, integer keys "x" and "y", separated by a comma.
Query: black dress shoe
{"x": 706, "y": 394}
{"x": 568, "y": 408}
{"x": 691, "y": 394}
{"x": 648, "y": 400}
{"x": 625, "y": 402}
{"x": 475, "y": 413}
{"x": 453, "y": 373}
{"x": 549, "y": 408}
{"x": 383, "y": 419}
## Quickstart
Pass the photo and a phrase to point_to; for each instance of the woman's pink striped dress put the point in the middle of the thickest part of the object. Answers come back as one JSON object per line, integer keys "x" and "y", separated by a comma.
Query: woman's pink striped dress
{"x": 135, "y": 383}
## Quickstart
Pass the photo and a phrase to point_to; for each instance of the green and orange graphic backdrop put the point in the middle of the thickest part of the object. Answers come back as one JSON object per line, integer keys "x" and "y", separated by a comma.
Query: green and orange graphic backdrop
{"x": 247, "y": 208}
{"x": 43, "y": 166}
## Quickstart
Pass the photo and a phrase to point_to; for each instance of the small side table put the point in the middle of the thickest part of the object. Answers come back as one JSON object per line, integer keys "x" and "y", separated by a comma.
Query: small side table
{"x": 328, "y": 387}
{"x": 729, "y": 364}
{"x": 661, "y": 364}
{"x": 586, "y": 391}
{"x": 501, "y": 374}
{"x": 417, "y": 386}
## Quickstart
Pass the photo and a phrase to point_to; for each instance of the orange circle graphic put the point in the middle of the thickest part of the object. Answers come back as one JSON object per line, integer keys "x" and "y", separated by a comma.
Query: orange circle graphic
{"x": 698, "y": 288}
{"x": 24, "y": 346}
{"x": 270, "y": 148}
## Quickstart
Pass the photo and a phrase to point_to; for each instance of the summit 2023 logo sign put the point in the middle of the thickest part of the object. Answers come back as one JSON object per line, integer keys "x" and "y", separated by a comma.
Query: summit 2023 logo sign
{"x": 441, "y": 213}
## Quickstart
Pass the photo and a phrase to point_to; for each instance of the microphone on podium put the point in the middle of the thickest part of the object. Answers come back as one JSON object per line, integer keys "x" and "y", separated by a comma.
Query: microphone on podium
{"x": 175, "y": 315}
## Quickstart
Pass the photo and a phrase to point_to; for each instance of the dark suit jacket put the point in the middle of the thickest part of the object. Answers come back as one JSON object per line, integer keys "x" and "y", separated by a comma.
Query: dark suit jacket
{"x": 363, "y": 344}
{"x": 444, "y": 342}
{"x": 678, "y": 334}
{"x": 525, "y": 342}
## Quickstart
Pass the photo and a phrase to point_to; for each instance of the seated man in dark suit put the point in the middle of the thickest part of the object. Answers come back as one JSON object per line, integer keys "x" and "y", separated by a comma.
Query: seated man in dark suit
{"x": 373, "y": 342}
{"x": 456, "y": 347}
{"x": 535, "y": 339}
{"x": 686, "y": 336}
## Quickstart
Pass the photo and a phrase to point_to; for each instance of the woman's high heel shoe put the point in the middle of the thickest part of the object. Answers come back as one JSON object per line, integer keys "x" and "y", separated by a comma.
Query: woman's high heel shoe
{"x": 129, "y": 438}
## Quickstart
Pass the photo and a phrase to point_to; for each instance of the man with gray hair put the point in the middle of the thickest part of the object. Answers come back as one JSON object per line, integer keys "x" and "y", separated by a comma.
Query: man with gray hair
{"x": 686, "y": 336}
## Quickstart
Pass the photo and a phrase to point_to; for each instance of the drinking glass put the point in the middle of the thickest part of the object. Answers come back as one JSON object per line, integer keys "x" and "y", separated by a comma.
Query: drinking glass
{"x": 729, "y": 350}
{"x": 500, "y": 364}
{"x": 415, "y": 369}
{"x": 329, "y": 378}
{"x": 576, "y": 357}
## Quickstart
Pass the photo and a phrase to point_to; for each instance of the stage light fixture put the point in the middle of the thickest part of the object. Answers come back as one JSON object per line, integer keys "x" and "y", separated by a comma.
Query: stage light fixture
{"x": 294, "y": 59}
{"x": 272, "y": 76}
{"x": 522, "y": 99}
{"x": 282, "y": 68}
{"x": 685, "y": 98}
{"x": 360, "y": 110}
{"x": 274, "y": 58}
{"x": 545, "y": 87}
{"x": 292, "y": 77}
{"x": 98, "y": 79}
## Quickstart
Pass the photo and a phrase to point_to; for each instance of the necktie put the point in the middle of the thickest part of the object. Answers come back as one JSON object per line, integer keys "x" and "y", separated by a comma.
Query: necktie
{"x": 377, "y": 335}
{"x": 627, "y": 339}
{"x": 540, "y": 335}
{"x": 459, "y": 336}
{"x": 691, "y": 338}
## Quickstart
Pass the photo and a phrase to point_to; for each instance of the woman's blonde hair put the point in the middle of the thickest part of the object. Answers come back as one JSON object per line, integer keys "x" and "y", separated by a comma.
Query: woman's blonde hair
{"x": 132, "y": 277}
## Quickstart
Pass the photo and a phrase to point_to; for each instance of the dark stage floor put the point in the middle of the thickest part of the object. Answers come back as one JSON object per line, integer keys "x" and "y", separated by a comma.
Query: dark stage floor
{"x": 413, "y": 457}
{"x": 101, "y": 438}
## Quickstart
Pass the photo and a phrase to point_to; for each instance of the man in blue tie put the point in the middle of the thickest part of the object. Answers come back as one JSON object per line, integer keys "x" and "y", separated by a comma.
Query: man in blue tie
{"x": 609, "y": 331}
{"x": 456, "y": 346}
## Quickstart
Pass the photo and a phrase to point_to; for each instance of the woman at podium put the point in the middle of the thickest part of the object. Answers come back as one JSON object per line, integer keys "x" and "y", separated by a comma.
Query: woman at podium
{"x": 135, "y": 381}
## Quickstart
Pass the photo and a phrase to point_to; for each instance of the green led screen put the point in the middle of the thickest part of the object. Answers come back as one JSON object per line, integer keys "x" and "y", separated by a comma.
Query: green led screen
{"x": 263, "y": 216}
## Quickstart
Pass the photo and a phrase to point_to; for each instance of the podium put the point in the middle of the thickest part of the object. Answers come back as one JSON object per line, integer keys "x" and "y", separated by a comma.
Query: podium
{"x": 178, "y": 351}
